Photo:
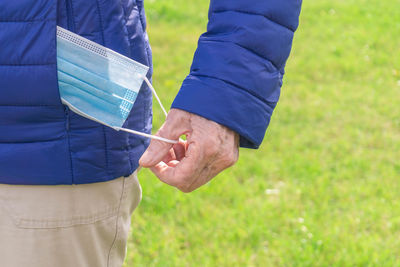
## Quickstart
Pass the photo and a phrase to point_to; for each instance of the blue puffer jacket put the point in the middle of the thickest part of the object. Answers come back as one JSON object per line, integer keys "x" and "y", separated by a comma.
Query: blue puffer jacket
{"x": 235, "y": 80}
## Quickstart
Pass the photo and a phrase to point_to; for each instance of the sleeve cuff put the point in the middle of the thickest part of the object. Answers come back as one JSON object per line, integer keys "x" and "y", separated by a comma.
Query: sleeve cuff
{"x": 227, "y": 105}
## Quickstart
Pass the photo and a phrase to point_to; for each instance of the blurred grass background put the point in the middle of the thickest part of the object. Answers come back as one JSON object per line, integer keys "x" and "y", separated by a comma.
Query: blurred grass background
{"x": 324, "y": 188}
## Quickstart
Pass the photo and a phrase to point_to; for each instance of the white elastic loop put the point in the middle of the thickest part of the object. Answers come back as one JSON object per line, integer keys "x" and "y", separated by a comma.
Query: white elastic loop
{"x": 147, "y": 135}
{"x": 165, "y": 113}
{"x": 155, "y": 94}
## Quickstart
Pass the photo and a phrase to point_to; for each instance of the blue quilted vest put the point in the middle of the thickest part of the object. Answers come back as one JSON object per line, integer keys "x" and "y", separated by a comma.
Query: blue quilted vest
{"x": 41, "y": 141}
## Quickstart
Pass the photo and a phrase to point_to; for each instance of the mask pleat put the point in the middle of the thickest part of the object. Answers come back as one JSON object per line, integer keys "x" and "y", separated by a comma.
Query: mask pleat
{"x": 98, "y": 83}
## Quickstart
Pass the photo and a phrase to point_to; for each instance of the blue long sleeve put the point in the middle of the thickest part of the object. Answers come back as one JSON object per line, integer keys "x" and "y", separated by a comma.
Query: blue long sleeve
{"x": 237, "y": 70}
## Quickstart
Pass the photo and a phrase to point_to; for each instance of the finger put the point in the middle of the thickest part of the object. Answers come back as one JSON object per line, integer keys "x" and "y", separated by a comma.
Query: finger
{"x": 205, "y": 175}
{"x": 199, "y": 165}
{"x": 170, "y": 156}
{"x": 173, "y": 163}
{"x": 174, "y": 126}
{"x": 180, "y": 150}
{"x": 164, "y": 172}
{"x": 156, "y": 151}
{"x": 181, "y": 174}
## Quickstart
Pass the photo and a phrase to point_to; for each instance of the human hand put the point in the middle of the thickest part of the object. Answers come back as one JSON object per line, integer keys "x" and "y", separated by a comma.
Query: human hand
{"x": 209, "y": 149}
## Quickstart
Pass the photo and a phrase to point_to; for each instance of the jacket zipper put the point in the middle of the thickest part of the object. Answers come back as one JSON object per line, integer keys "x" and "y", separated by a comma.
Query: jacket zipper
{"x": 71, "y": 27}
{"x": 66, "y": 112}
{"x": 70, "y": 15}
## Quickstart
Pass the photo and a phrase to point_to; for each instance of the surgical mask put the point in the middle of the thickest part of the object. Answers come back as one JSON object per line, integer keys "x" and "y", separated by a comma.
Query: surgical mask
{"x": 98, "y": 83}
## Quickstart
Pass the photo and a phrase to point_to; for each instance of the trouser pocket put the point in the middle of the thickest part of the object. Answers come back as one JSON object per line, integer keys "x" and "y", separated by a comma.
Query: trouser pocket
{"x": 64, "y": 226}
{"x": 41, "y": 207}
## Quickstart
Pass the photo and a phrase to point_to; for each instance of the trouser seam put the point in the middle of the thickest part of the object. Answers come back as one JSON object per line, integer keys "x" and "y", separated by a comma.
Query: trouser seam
{"x": 116, "y": 224}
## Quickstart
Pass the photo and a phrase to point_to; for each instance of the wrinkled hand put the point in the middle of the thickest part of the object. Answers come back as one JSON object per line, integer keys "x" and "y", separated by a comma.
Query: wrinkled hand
{"x": 209, "y": 149}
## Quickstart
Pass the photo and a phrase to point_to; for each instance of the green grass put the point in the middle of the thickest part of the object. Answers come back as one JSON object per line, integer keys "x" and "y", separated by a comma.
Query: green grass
{"x": 332, "y": 151}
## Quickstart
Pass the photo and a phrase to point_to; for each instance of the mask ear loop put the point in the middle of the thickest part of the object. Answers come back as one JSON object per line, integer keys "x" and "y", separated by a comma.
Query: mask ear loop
{"x": 155, "y": 94}
{"x": 147, "y": 135}
{"x": 164, "y": 111}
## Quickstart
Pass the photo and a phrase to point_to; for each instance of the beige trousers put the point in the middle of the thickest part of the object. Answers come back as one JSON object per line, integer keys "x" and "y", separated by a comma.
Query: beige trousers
{"x": 67, "y": 225}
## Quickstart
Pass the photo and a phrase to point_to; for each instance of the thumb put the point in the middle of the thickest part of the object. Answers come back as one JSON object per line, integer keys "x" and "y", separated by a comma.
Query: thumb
{"x": 173, "y": 128}
{"x": 156, "y": 151}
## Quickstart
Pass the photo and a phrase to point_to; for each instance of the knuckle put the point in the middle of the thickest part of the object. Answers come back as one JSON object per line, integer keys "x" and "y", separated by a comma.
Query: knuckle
{"x": 185, "y": 188}
{"x": 231, "y": 159}
{"x": 235, "y": 157}
{"x": 163, "y": 132}
{"x": 184, "y": 181}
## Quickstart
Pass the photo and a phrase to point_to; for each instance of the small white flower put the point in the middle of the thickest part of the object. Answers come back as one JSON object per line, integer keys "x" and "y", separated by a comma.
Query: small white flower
{"x": 280, "y": 184}
{"x": 300, "y": 220}
{"x": 272, "y": 191}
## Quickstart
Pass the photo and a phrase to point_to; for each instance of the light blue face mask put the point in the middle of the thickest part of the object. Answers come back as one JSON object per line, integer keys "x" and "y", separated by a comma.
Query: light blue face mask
{"x": 98, "y": 83}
